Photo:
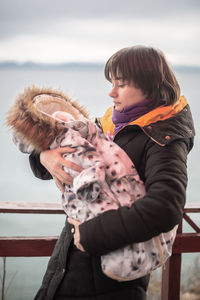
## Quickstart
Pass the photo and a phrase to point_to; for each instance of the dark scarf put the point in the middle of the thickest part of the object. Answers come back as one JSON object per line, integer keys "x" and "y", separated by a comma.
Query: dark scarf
{"x": 129, "y": 114}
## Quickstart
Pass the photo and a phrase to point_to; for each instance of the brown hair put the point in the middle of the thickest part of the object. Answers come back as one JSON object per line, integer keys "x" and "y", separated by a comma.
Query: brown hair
{"x": 146, "y": 68}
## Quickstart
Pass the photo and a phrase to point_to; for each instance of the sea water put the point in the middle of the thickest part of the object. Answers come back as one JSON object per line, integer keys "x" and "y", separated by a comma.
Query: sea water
{"x": 89, "y": 87}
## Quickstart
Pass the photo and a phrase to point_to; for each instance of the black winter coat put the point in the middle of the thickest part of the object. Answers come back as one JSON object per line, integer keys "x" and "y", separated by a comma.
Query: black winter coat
{"x": 159, "y": 152}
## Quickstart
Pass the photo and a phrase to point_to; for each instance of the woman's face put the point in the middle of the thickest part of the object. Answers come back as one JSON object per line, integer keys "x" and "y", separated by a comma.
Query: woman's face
{"x": 125, "y": 94}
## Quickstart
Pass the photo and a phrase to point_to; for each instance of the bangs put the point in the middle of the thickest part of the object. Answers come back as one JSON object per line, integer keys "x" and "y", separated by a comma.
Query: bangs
{"x": 118, "y": 67}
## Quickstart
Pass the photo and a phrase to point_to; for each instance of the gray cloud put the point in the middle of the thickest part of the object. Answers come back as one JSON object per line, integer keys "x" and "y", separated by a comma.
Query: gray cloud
{"x": 64, "y": 30}
{"x": 21, "y": 16}
{"x": 51, "y": 8}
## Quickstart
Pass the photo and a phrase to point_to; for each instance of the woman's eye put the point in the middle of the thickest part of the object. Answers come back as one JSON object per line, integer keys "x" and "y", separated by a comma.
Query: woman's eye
{"x": 121, "y": 84}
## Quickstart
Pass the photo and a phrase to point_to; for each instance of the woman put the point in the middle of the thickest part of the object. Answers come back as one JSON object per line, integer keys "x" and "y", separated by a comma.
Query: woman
{"x": 153, "y": 124}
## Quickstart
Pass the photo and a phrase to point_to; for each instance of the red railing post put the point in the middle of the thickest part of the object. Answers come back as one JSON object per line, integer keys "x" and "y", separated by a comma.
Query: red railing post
{"x": 171, "y": 276}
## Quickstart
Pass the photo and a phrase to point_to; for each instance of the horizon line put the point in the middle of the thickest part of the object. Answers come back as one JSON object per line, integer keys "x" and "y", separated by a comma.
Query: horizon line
{"x": 15, "y": 63}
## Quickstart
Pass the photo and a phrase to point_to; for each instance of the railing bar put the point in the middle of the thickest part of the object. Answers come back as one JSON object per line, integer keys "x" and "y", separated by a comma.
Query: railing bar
{"x": 27, "y": 238}
{"x": 27, "y": 246}
{"x": 31, "y": 207}
{"x": 35, "y": 211}
{"x": 191, "y": 223}
{"x": 186, "y": 243}
{"x": 192, "y": 207}
{"x": 56, "y": 208}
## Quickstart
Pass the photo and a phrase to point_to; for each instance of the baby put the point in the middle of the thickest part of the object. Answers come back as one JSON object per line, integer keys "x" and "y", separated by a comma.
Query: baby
{"x": 44, "y": 119}
{"x": 109, "y": 178}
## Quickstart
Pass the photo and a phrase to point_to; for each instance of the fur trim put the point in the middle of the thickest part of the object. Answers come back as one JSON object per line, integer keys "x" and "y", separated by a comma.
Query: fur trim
{"x": 34, "y": 126}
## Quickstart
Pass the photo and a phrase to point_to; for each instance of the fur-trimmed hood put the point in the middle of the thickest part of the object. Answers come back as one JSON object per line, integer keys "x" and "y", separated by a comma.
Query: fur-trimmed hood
{"x": 30, "y": 117}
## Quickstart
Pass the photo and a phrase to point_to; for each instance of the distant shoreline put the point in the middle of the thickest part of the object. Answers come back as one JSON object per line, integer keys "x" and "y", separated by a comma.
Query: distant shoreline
{"x": 75, "y": 65}
{"x": 54, "y": 66}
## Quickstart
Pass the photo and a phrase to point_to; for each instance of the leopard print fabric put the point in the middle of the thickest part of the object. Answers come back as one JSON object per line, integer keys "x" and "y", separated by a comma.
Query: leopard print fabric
{"x": 109, "y": 178}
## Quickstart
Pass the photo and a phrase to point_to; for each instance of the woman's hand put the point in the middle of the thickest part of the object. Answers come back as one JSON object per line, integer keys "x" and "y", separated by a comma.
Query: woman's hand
{"x": 76, "y": 233}
{"x": 54, "y": 162}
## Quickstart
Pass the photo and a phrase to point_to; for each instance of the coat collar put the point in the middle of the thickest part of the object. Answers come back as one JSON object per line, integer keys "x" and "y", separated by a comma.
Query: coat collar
{"x": 163, "y": 124}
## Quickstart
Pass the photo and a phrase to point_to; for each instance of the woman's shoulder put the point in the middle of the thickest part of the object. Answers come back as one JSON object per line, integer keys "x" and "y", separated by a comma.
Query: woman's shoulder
{"x": 178, "y": 127}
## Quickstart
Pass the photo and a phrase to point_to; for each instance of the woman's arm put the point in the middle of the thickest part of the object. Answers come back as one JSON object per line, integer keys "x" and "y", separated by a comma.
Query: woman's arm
{"x": 158, "y": 211}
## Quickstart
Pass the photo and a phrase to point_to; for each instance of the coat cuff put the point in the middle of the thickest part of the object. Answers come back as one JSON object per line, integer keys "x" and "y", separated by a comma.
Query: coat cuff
{"x": 38, "y": 169}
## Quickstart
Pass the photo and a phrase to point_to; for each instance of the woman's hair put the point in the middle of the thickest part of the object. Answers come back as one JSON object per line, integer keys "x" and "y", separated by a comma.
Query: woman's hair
{"x": 146, "y": 68}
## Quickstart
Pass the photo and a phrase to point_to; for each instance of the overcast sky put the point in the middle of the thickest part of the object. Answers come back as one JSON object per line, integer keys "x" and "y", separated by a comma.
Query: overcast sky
{"x": 56, "y": 31}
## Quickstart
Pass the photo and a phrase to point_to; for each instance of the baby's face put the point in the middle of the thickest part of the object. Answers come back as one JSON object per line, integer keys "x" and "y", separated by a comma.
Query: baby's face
{"x": 62, "y": 116}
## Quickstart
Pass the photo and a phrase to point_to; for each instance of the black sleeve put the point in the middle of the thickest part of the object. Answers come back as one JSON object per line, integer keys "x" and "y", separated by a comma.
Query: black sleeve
{"x": 38, "y": 169}
{"x": 159, "y": 211}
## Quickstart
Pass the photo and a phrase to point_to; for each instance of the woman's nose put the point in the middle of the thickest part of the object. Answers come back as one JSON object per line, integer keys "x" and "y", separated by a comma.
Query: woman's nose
{"x": 113, "y": 93}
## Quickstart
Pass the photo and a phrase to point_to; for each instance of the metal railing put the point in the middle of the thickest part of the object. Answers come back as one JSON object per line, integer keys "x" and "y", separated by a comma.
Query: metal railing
{"x": 43, "y": 245}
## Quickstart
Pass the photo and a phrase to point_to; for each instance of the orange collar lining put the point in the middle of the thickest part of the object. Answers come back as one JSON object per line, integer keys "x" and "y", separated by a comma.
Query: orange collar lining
{"x": 158, "y": 114}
